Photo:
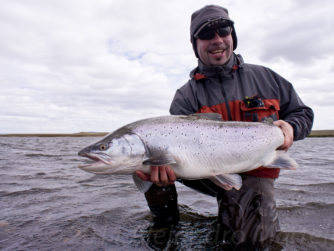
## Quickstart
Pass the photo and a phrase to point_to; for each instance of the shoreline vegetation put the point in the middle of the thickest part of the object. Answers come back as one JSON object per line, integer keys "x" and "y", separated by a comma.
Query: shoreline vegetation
{"x": 314, "y": 133}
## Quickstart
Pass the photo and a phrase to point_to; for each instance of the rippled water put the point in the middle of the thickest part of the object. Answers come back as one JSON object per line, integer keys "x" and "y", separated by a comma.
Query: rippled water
{"x": 47, "y": 203}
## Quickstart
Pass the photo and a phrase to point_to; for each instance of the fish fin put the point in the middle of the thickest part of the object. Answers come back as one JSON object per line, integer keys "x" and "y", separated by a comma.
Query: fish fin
{"x": 283, "y": 161}
{"x": 228, "y": 181}
{"x": 158, "y": 158}
{"x": 221, "y": 185}
{"x": 268, "y": 120}
{"x": 209, "y": 116}
{"x": 142, "y": 185}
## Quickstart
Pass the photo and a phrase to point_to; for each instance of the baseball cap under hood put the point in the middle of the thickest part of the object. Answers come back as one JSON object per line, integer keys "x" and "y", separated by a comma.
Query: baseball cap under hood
{"x": 206, "y": 15}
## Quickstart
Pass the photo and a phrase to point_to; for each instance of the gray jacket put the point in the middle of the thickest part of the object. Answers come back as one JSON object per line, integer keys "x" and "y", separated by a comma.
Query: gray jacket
{"x": 243, "y": 92}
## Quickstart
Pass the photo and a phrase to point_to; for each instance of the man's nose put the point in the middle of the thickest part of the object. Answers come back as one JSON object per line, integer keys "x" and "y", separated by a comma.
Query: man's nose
{"x": 217, "y": 38}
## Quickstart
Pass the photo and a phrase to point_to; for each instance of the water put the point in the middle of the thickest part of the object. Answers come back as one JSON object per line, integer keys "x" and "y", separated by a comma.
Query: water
{"x": 47, "y": 203}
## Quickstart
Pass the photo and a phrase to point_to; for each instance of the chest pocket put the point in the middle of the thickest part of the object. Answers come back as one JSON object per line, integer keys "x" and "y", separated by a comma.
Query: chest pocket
{"x": 260, "y": 110}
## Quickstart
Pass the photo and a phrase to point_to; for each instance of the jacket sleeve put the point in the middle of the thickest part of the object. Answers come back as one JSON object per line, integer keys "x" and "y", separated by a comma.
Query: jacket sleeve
{"x": 184, "y": 102}
{"x": 293, "y": 110}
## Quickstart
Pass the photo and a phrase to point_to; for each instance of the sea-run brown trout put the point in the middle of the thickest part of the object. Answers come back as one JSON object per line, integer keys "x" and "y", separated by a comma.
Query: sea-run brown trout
{"x": 196, "y": 147}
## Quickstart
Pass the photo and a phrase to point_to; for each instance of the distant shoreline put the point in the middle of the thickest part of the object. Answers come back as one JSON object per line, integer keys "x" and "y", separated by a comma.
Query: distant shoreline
{"x": 314, "y": 133}
{"x": 322, "y": 133}
{"x": 80, "y": 134}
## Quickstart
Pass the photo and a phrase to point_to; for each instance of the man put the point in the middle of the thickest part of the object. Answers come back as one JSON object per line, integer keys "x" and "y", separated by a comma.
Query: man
{"x": 223, "y": 83}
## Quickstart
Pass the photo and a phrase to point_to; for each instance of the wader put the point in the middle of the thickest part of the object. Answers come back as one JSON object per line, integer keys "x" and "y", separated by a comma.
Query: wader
{"x": 247, "y": 216}
{"x": 162, "y": 202}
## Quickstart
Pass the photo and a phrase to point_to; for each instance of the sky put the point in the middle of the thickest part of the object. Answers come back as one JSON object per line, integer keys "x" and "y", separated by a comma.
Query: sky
{"x": 70, "y": 66}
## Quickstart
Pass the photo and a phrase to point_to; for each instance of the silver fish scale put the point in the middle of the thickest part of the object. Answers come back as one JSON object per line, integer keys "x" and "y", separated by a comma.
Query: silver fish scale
{"x": 208, "y": 147}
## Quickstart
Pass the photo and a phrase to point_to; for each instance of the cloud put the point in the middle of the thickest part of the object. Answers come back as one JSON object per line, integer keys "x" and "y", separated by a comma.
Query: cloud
{"x": 302, "y": 33}
{"x": 70, "y": 66}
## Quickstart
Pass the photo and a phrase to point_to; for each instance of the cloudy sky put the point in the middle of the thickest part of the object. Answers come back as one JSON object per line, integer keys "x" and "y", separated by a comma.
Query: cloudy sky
{"x": 83, "y": 65}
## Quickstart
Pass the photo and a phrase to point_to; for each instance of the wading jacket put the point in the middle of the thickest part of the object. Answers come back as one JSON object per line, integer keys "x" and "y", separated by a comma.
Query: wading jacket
{"x": 243, "y": 92}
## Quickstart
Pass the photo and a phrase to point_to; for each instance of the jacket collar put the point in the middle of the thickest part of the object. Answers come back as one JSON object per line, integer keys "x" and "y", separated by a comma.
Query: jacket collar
{"x": 208, "y": 71}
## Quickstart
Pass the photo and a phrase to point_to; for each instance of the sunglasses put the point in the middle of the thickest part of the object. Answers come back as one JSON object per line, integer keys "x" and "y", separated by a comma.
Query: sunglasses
{"x": 208, "y": 33}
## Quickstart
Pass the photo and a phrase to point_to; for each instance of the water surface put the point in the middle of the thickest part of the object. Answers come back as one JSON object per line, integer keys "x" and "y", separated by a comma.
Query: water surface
{"x": 47, "y": 203}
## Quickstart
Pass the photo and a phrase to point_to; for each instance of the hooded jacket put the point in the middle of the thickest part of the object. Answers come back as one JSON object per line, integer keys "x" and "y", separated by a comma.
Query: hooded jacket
{"x": 243, "y": 92}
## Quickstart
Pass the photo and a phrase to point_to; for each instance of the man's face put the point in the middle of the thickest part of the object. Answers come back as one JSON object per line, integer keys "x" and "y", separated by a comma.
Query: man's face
{"x": 215, "y": 51}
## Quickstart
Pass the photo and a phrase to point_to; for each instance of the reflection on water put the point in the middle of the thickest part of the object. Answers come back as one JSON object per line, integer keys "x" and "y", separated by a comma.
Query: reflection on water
{"x": 49, "y": 204}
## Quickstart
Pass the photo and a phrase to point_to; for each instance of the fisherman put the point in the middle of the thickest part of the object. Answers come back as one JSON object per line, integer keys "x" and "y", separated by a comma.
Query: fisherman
{"x": 222, "y": 83}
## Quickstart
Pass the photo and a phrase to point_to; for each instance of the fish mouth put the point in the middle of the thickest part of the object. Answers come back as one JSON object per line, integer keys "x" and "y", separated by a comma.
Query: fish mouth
{"x": 97, "y": 165}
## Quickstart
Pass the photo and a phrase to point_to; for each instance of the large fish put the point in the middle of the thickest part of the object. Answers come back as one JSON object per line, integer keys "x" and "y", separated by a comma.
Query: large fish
{"x": 196, "y": 147}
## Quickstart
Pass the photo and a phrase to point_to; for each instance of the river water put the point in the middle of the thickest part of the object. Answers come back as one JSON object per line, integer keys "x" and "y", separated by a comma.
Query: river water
{"x": 47, "y": 203}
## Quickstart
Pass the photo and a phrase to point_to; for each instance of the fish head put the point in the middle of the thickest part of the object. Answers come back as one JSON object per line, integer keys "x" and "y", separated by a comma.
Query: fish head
{"x": 118, "y": 154}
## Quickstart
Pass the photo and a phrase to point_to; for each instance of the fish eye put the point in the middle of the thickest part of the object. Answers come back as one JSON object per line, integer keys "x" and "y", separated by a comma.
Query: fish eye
{"x": 103, "y": 147}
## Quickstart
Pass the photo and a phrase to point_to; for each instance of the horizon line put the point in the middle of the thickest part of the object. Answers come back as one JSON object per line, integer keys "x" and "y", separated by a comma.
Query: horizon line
{"x": 314, "y": 133}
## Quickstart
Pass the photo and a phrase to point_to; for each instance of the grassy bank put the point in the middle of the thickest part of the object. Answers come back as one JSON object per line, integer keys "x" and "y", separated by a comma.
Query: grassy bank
{"x": 322, "y": 133}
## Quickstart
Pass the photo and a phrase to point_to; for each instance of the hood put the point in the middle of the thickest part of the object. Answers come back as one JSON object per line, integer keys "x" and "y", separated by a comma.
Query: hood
{"x": 209, "y": 13}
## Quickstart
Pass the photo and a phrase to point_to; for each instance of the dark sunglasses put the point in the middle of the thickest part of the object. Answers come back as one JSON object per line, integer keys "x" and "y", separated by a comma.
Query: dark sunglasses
{"x": 208, "y": 33}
